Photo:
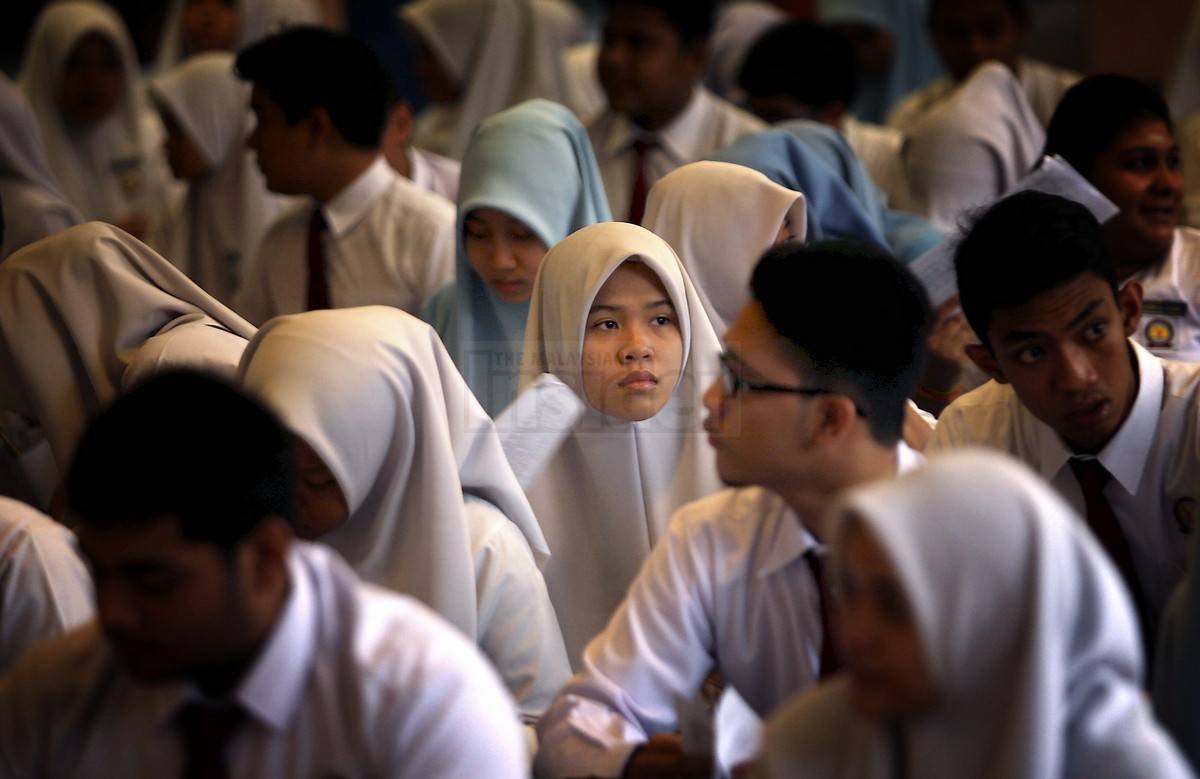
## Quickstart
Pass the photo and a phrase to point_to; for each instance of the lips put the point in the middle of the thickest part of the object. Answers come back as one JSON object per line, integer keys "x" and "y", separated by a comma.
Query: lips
{"x": 1090, "y": 414}
{"x": 639, "y": 380}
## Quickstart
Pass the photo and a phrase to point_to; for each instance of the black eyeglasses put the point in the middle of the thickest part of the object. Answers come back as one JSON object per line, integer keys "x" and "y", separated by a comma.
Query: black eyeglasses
{"x": 732, "y": 384}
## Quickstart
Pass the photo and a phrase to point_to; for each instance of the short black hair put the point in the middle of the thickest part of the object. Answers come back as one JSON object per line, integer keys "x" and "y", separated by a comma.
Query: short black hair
{"x": 694, "y": 19}
{"x": 858, "y": 318}
{"x": 1094, "y": 111}
{"x": 305, "y": 68}
{"x": 811, "y": 63}
{"x": 1022, "y": 246}
{"x": 1017, "y": 7}
{"x": 187, "y": 445}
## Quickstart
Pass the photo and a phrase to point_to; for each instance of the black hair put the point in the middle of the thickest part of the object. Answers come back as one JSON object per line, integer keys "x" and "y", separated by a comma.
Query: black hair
{"x": 305, "y": 68}
{"x": 1094, "y": 111}
{"x": 857, "y": 317}
{"x": 187, "y": 445}
{"x": 694, "y": 19}
{"x": 1022, "y": 246}
{"x": 813, "y": 64}
{"x": 1018, "y": 8}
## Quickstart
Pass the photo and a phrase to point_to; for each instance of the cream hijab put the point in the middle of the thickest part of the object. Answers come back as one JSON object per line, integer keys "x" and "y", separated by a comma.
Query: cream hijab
{"x": 500, "y": 52}
{"x": 375, "y": 394}
{"x": 719, "y": 218}
{"x": 973, "y": 147}
{"x": 221, "y": 221}
{"x": 88, "y": 311}
{"x": 1026, "y": 627}
{"x": 112, "y": 169}
{"x": 605, "y": 497}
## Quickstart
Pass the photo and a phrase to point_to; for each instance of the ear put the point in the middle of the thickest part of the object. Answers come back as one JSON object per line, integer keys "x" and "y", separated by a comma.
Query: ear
{"x": 322, "y": 131}
{"x": 401, "y": 122}
{"x": 838, "y": 417}
{"x": 1129, "y": 300}
{"x": 986, "y": 361}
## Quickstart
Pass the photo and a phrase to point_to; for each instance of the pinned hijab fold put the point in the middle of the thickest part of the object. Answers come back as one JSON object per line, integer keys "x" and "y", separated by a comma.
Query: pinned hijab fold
{"x": 604, "y": 498}
{"x": 499, "y": 52}
{"x": 973, "y": 147}
{"x": 533, "y": 162}
{"x": 258, "y": 19}
{"x": 374, "y": 393}
{"x": 1026, "y": 628}
{"x": 87, "y": 312}
{"x": 720, "y": 218}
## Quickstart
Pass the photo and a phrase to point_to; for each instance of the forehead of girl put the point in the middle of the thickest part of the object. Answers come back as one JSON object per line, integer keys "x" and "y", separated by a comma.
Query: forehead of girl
{"x": 633, "y": 285}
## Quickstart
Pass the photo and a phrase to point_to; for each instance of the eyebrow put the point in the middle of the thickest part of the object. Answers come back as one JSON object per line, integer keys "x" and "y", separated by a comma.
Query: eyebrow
{"x": 648, "y": 306}
{"x": 1025, "y": 335}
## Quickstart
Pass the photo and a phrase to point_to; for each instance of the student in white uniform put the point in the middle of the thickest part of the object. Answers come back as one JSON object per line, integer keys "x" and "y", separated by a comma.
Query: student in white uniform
{"x": 985, "y": 635}
{"x": 802, "y": 410}
{"x": 196, "y": 26}
{"x": 968, "y": 33}
{"x": 429, "y": 171}
{"x": 1117, "y": 132}
{"x": 1113, "y": 428}
{"x": 402, "y": 472}
{"x": 224, "y": 648}
{"x": 477, "y": 57}
{"x": 659, "y": 116}
{"x": 214, "y": 232}
{"x": 367, "y": 235}
{"x": 32, "y": 203}
{"x": 44, "y": 585}
{"x": 80, "y": 73}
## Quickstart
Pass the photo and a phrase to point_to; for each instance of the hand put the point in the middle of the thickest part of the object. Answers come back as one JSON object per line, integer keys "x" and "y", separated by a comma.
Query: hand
{"x": 946, "y": 344}
{"x": 662, "y": 757}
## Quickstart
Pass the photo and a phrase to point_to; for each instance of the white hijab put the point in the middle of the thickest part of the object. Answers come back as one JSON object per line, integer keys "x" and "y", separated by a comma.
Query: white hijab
{"x": 1026, "y": 627}
{"x": 115, "y": 168}
{"x": 223, "y": 217}
{"x": 973, "y": 147}
{"x": 259, "y": 19}
{"x": 500, "y": 52}
{"x": 605, "y": 497}
{"x": 87, "y": 312}
{"x": 375, "y": 394}
{"x": 719, "y": 218}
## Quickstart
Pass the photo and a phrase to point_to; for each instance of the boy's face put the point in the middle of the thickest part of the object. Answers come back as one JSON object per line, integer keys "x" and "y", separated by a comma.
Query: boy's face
{"x": 647, "y": 70}
{"x": 280, "y": 147}
{"x": 1066, "y": 354}
{"x": 967, "y": 33}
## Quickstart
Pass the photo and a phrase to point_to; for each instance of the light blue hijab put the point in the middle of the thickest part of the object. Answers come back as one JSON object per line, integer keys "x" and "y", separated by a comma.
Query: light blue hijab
{"x": 908, "y": 235}
{"x": 533, "y": 162}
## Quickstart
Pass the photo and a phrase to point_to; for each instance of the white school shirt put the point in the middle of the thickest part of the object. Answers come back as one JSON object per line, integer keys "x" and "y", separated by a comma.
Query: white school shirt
{"x": 352, "y": 681}
{"x": 434, "y": 173}
{"x": 389, "y": 242}
{"x": 728, "y": 589}
{"x": 1170, "y": 326}
{"x": 44, "y": 586}
{"x": 1154, "y": 460}
{"x": 707, "y": 123}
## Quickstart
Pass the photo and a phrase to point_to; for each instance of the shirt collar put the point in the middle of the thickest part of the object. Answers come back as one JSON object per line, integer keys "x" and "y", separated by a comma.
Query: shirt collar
{"x": 679, "y": 139}
{"x": 350, "y": 205}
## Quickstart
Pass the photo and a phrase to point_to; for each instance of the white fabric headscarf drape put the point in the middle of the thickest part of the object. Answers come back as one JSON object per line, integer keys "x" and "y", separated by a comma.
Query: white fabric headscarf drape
{"x": 605, "y": 497}
{"x": 115, "y": 168}
{"x": 33, "y": 202}
{"x": 973, "y": 147}
{"x": 500, "y": 52}
{"x": 739, "y": 25}
{"x": 1026, "y": 628}
{"x": 719, "y": 218}
{"x": 375, "y": 394}
{"x": 221, "y": 221}
{"x": 259, "y": 19}
{"x": 91, "y": 310}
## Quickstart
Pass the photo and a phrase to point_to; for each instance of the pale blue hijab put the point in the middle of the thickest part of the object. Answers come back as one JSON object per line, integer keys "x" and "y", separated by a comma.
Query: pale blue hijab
{"x": 533, "y": 162}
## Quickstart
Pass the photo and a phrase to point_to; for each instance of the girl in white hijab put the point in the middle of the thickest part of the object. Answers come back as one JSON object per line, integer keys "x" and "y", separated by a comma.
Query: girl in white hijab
{"x": 216, "y": 229}
{"x": 986, "y": 635}
{"x": 195, "y": 26}
{"x": 478, "y": 57}
{"x": 638, "y": 451}
{"x": 88, "y": 312}
{"x": 402, "y": 472}
{"x": 719, "y": 218}
{"x": 972, "y": 148}
{"x": 81, "y": 75}
{"x": 33, "y": 203}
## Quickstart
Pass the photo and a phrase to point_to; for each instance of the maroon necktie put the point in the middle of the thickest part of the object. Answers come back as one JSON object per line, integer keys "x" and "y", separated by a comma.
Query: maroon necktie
{"x": 207, "y": 729}
{"x": 829, "y": 661}
{"x": 641, "y": 184}
{"x": 318, "y": 284}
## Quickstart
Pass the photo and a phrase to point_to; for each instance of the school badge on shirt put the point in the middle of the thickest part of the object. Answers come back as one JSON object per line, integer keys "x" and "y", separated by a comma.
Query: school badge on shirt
{"x": 1160, "y": 322}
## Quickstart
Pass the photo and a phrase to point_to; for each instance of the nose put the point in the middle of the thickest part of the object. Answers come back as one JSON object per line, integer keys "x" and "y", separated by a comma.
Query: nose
{"x": 714, "y": 398}
{"x": 637, "y": 346}
{"x": 500, "y": 255}
{"x": 1076, "y": 371}
{"x": 1168, "y": 178}
{"x": 114, "y": 609}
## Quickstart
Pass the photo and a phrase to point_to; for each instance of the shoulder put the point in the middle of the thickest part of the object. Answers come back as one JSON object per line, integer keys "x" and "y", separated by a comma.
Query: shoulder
{"x": 730, "y": 524}
{"x": 984, "y": 415}
{"x": 732, "y": 120}
{"x": 411, "y": 205}
{"x": 1181, "y": 381}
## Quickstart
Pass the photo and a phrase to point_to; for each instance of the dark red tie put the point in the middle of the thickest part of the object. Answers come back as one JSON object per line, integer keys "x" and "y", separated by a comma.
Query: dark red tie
{"x": 829, "y": 661}
{"x": 207, "y": 729}
{"x": 641, "y": 179}
{"x": 318, "y": 284}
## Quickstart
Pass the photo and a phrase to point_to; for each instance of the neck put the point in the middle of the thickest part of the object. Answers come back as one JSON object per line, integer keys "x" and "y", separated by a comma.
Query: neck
{"x": 219, "y": 678}
{"x": 343, "y": 168}
{"x": 811, "y": 495}
{"x": 658, "y": 119}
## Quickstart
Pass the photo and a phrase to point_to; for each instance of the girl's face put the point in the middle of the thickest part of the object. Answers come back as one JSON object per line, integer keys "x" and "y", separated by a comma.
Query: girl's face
{"x": 880, "y": 639}
{"x": 210, "y": 25}
{"x": 185, "y": 158}
{"x": 93, "y": 82}
{"x": 632, "y": 345}
{"x": 322, "y": 506}
{"x": 504, "y": 252}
